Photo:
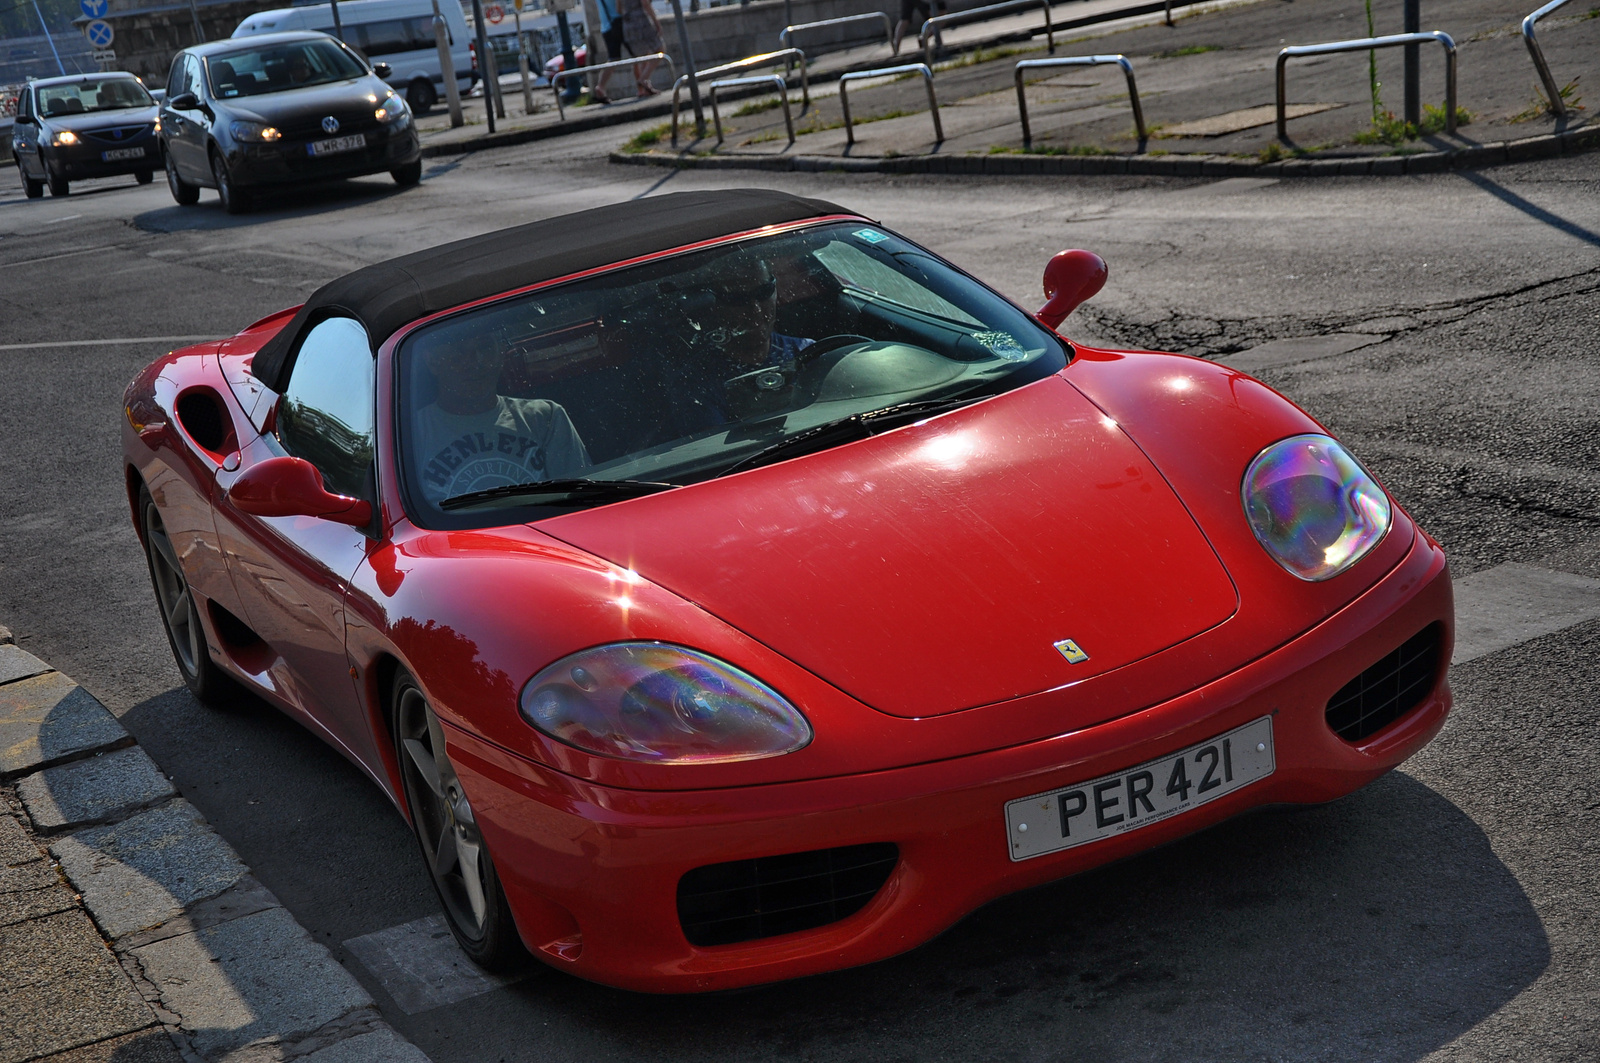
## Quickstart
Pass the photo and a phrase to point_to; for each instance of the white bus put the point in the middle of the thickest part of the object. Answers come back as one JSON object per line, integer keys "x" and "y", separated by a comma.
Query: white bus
{"x": 397, "y": 32}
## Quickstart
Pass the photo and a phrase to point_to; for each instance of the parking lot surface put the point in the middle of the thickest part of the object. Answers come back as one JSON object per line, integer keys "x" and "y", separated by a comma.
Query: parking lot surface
{"x": 1444, "y": 326}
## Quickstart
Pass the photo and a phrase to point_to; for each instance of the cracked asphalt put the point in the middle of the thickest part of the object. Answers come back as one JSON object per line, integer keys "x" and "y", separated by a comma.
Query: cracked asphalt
{"x": 1444, "y": 913}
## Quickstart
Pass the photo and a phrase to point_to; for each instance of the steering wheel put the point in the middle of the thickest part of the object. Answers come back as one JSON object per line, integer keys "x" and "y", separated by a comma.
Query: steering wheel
{"x": 831, "y": 343}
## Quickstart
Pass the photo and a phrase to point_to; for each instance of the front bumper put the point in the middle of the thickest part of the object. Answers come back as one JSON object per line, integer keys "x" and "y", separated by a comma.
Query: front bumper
{"x": 85, "y": 160}
{"x": 592, "y": 872}
{"x": 288, "y": 162}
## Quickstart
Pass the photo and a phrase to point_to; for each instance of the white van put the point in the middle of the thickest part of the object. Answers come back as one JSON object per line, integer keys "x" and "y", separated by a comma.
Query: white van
{"x": 397, "y": 32}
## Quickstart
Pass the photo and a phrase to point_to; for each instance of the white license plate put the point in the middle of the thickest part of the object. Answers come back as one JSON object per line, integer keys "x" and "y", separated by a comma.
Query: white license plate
{"x": 336, "y": 145}
{"x": 122, "y": 153}
{"x": 1137, "y": 797}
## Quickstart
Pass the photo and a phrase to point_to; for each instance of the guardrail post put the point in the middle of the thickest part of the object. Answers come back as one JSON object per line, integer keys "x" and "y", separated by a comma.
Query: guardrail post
{"x": 1079, "y": 60}
{"x": 775, "y": 80}
{"x": 930, "y": 28}
{"x": 909, "y": 68}
{"x": 766, "y": 59}
{"x": 1558, "y": 106}
{"x": 1397, "y": 40}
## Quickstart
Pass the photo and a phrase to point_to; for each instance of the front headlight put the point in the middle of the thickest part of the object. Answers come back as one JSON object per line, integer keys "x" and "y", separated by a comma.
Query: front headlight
{"x": 394, "y": 109}
{"x": 255, "y": 131}
{"x": 1313, "y": 507}
{"x": 64, "y": 139}
{"x": 661, "y": 704}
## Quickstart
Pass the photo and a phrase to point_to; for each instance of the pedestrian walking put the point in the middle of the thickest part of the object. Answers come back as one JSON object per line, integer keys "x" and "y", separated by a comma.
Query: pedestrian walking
{"x": 641, "y": 31}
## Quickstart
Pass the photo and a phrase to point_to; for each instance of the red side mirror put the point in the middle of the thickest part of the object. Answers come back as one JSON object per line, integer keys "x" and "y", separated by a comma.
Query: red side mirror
{"x": 292, "y": 487}
{"x": 1070, "y": 278}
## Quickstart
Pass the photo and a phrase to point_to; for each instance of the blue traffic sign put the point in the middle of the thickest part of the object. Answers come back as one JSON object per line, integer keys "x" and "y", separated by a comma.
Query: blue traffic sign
{"x": 99, "y": 33}
{"x": 94, "y": 8}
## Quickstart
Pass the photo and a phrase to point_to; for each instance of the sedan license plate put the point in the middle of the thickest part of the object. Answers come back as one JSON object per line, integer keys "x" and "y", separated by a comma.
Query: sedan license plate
{"x": 121, "y": 153}
{"x": 1139, "y": 796}
{"x": 336, "y": 145}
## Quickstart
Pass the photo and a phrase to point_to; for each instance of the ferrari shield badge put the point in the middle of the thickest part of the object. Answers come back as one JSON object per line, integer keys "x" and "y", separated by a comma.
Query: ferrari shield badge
{"x": 1071, "y": 651}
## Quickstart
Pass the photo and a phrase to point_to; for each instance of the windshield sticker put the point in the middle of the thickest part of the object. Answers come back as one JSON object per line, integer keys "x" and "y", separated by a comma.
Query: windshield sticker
{"x": 871, "y": 236}
{"x": 1002, "y": 345}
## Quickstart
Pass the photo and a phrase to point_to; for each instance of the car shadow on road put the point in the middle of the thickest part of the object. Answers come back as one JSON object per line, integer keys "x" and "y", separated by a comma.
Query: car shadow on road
{"x": 1381, "y": 926}
{"x": 271, "y": 206}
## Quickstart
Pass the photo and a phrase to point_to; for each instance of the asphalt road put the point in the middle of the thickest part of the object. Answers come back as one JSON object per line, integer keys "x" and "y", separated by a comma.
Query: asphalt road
{"x": 1445, "y": 912}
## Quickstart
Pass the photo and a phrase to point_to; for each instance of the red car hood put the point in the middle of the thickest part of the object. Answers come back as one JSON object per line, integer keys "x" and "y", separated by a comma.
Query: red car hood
{"x": 934, "y": 568}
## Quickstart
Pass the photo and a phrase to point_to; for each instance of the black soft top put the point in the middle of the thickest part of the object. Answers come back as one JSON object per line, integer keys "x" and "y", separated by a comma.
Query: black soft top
{"x": 390, "y": 295}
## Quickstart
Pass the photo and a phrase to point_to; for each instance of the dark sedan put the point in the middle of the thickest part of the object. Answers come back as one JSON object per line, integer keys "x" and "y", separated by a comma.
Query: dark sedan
{"x": 86, "y": 125}
{"x": 280, "y": 109}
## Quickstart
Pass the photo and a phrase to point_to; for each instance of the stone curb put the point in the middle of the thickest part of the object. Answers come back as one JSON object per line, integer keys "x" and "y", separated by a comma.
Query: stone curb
{"x": 1544, "y": 146}
{"x": 224, "y": 967}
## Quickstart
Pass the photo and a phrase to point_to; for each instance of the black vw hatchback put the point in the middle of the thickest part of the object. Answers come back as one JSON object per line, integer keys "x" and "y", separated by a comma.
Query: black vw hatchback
{"x": 279, "y": 109}
{"x": 85, "y": 125}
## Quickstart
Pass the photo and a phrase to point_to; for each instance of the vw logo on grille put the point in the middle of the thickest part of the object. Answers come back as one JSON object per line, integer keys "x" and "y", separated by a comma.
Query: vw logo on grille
{"x": 330, "y": 124}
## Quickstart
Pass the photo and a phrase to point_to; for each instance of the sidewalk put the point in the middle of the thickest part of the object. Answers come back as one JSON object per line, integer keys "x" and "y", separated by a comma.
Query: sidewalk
{"x": 1207, "y": 90}
{"x": 130, "y": 932}
{"x": 438, "y": 138}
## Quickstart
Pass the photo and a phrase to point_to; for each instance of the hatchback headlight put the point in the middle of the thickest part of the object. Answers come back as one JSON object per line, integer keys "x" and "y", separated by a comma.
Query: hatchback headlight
{"x": 64, "y": 139}
{"x": 661, "y": 704}
{"x": 394, "y": 110}
{"x": 254, "y": 131}
{"x": 1313, "y": 507}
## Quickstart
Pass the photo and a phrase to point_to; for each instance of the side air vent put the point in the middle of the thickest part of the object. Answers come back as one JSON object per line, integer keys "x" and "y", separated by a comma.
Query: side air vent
{"x": 1389, "y": 689}
{"x": 747, "y": 899}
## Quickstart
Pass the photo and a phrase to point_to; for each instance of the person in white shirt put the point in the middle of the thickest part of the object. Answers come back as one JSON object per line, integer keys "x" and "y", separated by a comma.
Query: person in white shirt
{"x": 472, "y": 438}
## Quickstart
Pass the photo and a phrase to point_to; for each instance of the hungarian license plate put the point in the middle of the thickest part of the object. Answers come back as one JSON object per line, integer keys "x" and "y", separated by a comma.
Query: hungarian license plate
{"x": 336, "y": 145}
{"x": 122, "y": 153}
{"x": 1137, "y": 797}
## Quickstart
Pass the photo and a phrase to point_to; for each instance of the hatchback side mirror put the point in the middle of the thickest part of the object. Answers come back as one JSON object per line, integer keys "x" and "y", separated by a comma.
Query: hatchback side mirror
{"x": 184, "y": 101}
{"x": 292, "y": 487}
{"x": 383, "y": 70}
{"x": 23, "y": 119}
{"x": 1070, "y": 279}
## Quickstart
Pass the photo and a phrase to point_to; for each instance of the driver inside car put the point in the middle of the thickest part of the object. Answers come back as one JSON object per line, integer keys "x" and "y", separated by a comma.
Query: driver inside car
{"x": 471, "y": 437}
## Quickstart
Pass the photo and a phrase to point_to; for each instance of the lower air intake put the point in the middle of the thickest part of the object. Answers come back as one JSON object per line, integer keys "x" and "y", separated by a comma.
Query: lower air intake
{"x": 747, "y": 899}
{"x": 1389, "y": 689}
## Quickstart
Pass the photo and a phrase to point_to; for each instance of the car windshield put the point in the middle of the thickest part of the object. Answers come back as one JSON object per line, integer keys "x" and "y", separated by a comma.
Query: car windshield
{"x": 685, "y": 368}
{"x": 281, "y": 67}
{"x": 86, "y": 97}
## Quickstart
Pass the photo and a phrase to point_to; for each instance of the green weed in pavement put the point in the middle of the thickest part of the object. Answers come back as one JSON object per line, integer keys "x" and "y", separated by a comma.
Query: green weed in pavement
{"x": 1387, "y": 129}
{"x": 646, "y": 139}
{"x": 1049, "y": 149}
{"x": 758, "y": 106}
{"x": 1188, "y": 49}
{"x": 1540, "y": 107}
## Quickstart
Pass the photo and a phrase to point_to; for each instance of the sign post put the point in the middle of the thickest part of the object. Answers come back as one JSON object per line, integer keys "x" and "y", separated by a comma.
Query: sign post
{"x": 522, "y": 59}
{"x": 447, "y": 67}
{"x": 688, "y": 66}
{"x": 483, "y": 62}
{"x": 1413, "y": 24}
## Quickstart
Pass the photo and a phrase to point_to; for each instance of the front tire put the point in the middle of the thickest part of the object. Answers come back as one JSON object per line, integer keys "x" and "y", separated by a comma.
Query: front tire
{"x": 408, "y": 175}
{"x": 183, "y": 193}
{"x": 59, "y": 185}
{"x": 30, "y": 188}
{"x": 180, "y": 615}
{"x": 447, "y": 832}
{"x": 234, "y": 200}
{"x": 420, "y": 96}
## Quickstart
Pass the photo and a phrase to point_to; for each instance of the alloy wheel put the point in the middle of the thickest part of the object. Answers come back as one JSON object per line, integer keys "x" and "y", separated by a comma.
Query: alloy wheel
{"x": 178, "y": 610}
{"x": 446, "y": 827}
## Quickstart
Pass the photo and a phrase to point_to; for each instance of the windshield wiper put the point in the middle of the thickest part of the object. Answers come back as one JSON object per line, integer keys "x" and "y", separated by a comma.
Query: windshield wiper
{"x": 577, "y": 490}
{"x": 849, "y": 429}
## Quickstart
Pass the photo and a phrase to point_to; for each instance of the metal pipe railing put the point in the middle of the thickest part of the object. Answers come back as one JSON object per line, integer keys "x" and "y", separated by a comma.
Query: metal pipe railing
{"x": 788, "y": 33}
{"x": 931, "y": 28}
{"x": 1394, "y": 40}
{"x": 1552, "y": 90}
{"x": 1079, "y": 60}
{"x": 909, "y": 68}
{"x": 782, "y": 55}
{"x": 556, "y": 80}
{"x": 775, "y": 80}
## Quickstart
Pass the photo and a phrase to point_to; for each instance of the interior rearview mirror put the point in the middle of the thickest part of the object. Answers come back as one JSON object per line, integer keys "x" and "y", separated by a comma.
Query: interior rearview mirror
{"x": 292, "y": 487}
{"x": 1070, "y": 279}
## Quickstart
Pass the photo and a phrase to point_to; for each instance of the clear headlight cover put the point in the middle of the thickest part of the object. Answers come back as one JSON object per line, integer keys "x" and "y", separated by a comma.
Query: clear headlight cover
{"x": 1313, "y": 507}
{"x": 253, "y": 131}
{"x": 65, "y": 138}
{"x": 393, "y": 108}
{"x": 661, "y": 704}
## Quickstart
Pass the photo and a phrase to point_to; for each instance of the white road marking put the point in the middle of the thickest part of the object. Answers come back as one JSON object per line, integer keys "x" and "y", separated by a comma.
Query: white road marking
{"x": 95, "y": 343}
{"x": 421, "y": 967}
{"x": 69, "y": 217}
{"x": 1512, "y": 603}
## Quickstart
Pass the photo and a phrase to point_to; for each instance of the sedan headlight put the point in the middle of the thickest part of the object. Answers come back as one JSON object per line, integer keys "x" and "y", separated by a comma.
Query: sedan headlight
{"x": 1313, "y": 507}
{"x": 64, "y": 139}
{"x": 394, "y": 110}
{"x": 661, "y": 704}
{"x": 253, "y": 131}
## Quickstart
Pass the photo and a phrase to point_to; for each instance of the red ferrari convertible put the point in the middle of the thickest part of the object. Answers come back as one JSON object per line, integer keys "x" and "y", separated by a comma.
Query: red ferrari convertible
{"x": 727, "y": 589}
